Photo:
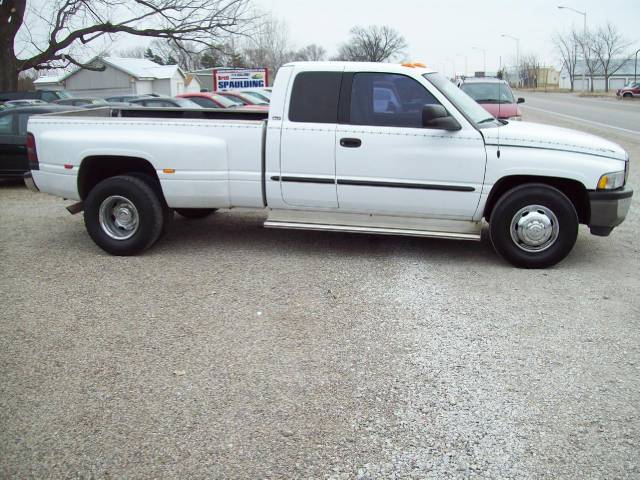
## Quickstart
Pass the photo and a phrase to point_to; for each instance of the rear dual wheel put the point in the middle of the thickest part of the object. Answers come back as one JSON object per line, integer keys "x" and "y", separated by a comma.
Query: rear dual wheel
{"x": 124, "y": 215}
{"x": 534, "y": 226}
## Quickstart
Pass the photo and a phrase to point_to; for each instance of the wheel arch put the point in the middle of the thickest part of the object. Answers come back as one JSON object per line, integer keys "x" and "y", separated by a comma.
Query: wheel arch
{"x": 573, "y": 189}
{"x": 96, "y": 168}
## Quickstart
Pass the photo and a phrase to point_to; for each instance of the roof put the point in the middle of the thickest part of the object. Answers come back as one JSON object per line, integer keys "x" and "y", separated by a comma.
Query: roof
{"x": 483, "y": 80}
{"x": 363, "y": 66}
{"x": 140, "y": 68}
{"x": 625, "y": 70}
{"x": 47, "y": 79}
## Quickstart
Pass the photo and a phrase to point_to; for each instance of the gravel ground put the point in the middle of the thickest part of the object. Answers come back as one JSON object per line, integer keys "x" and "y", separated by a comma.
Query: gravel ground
{"x": 229, "y": 351}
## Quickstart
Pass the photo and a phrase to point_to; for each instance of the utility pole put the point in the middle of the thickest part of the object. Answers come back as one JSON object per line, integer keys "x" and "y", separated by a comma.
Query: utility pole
{"x": 517, "y": 53}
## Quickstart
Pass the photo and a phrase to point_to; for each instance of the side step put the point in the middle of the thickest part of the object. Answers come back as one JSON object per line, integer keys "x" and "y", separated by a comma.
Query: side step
{"x": 375, "y": 224}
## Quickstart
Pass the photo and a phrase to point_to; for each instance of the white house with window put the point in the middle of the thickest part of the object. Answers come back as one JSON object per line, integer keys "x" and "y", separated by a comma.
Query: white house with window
{"x": 122, "y": 76}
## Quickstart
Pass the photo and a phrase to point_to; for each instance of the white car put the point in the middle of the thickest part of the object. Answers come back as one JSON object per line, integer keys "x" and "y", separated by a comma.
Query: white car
{"x": 350, "y": 147}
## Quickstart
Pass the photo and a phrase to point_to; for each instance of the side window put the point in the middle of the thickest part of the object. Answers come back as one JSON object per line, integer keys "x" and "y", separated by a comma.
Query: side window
{"x": 23, "y": 118}
{"x": 204, "y": 102}
{"x": 6, "y": 125}
{"x": 388, "y": 100}
{"x": 49, "y": 96}
{"x": 314, "y": 97}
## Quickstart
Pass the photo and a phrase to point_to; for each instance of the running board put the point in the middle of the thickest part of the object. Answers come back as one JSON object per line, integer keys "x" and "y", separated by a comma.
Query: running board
{"x": 375, "y": 224}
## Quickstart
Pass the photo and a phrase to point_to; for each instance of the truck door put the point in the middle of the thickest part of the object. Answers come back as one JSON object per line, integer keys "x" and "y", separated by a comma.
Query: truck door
{"x": 307, "y": 143}
{"x": 387, "y": 162}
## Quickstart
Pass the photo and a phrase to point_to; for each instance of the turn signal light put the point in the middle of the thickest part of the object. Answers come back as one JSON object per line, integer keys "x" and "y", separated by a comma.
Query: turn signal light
{"x": 168, "y": 170}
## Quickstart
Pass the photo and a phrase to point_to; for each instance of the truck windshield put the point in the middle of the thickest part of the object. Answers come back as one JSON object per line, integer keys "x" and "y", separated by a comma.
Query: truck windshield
{"x": 467, "y": 105}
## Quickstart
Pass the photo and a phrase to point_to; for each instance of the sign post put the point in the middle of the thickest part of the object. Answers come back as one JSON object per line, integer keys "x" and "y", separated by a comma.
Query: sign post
{"x": 239, "y": 78}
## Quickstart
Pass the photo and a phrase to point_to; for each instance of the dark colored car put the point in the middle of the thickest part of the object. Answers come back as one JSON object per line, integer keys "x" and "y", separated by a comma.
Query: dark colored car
{"x": 495, "y": 96}
{"x": 630, "y": 90}
{"x": 164, "y": 102}
{"x": 128, "y": 98}
{"x": 90, "y": 102}
{"x": 13, "y": 137}
{"x": 46, "y": 95}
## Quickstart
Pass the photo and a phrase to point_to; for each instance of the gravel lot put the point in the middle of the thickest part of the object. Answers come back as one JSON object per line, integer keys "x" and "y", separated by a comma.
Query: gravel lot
{"x": 229, "y": 351}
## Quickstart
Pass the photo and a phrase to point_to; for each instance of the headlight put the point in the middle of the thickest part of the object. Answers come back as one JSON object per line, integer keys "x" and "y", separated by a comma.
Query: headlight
{"x": 517, "y": 117}
{"x": 611, "y": 181}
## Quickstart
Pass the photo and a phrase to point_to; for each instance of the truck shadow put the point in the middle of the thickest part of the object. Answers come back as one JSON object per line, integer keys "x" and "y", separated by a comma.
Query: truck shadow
{"x": 233, "y": 232}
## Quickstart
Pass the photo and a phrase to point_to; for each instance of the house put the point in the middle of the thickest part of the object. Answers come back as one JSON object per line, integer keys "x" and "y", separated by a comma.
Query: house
{"x": 123, "y": 76}
{"x": 617, "y": 80}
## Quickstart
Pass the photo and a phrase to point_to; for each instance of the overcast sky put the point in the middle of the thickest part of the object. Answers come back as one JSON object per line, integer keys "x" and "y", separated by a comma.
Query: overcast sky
{"x": 440, "y": 32}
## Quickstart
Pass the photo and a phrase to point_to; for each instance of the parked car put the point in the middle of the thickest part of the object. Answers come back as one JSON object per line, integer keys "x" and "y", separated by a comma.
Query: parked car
{"x": 258, "y": 94}
{"x": 495, "y": 96}
{"x": 211, "y": 100}
{"x": 432, "y": 163}
{"x": 630, "y": 90}
{"x": 23, "y": 103}
{"x": 46, "y": 95}
{"x": 164, "y": 102}
{"x": 128, "y": 98}
{"x": 13, "y": 136}
{"x": 245, "y": 99}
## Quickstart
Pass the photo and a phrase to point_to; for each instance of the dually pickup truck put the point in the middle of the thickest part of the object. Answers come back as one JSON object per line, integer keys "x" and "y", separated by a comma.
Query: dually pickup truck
{"x": 348, "y": 147}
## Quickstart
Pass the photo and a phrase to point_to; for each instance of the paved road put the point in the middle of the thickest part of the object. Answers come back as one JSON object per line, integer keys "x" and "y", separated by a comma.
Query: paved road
{"x": 608, "y": 114}
{"x": 230, "y": 351}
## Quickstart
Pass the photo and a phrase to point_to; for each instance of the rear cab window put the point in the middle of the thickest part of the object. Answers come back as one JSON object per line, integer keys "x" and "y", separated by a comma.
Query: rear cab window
{"x": 7, "y": 124}
{"x": 314, "y": 97}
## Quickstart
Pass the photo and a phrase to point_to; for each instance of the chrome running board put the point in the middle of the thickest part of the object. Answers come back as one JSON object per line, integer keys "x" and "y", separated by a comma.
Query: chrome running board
{"x": 374, "y": 224}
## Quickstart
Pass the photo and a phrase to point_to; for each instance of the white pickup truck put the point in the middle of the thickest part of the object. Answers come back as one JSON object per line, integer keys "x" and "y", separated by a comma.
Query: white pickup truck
{"x": 349, "y": 147}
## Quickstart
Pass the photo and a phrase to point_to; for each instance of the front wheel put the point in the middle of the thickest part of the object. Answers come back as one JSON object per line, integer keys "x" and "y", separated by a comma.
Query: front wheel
{"x": 534, "y": 226}
{"x": 627, "y": 95}
{"x": 123, "y": 215}
{"x": 194, "y": 213}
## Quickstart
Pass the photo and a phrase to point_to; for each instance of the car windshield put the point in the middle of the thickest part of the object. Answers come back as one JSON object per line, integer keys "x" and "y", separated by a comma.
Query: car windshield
{"x": 490, "y": 92}
{"x": 467, "y": 105}
{"x": 186, "y": 103}
{"x": 63, "y": 94}
{"x": 258, "y": 96}
{"x": 226, "y": 102}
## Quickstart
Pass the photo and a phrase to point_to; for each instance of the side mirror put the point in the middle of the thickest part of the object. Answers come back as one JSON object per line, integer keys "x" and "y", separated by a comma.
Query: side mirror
{"x": 520, "y": 100}
{"x": 436, "y": 116}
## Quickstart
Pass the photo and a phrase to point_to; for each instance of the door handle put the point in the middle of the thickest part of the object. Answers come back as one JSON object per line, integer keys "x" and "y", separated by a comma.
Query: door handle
{"x": 350, "y": 142}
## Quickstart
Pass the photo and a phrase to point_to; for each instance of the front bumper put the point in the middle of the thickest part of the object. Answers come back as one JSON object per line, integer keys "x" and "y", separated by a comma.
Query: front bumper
{"x": 28, "y": 181}
{"x": 608, "y": 209}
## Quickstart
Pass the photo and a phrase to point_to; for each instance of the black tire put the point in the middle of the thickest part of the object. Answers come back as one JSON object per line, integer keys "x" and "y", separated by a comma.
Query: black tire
{"x": 148, "y": 206}
{"x": 167, "y": 212}
{"x": 195, "y": 213}
{"x": 627, "y": 95}
{"x": 517, "y": 202}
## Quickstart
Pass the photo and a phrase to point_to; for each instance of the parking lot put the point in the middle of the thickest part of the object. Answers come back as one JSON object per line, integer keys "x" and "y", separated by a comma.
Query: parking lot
{"x": 231, "y": 351}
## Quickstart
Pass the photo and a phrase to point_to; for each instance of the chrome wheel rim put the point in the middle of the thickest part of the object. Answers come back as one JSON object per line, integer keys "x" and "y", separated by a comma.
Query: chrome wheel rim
{"x": 534, "y": 228}
{"x": 118, "y": 217}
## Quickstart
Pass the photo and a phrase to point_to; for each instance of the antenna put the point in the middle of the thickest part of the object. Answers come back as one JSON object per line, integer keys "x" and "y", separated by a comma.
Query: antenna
{"x": 499, "y": 100}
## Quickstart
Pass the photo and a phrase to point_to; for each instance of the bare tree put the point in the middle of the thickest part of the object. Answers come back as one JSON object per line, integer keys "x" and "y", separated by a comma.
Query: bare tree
{"x": 372, "y": 44}
{"x": 589, "y": 44}
{"x": 528, "y": 70}
{"x": 567, "y": 46}
{"x": 132, "y": 52}
{"x": 311, "y": 53}
{"x": 609, "y": 50}
{"x": 72, "y": 24}
{"x": 269, "y": 45}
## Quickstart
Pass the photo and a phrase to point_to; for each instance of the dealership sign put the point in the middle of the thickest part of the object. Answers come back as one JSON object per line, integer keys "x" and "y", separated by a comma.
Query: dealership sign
{"x": 231, "y": 79}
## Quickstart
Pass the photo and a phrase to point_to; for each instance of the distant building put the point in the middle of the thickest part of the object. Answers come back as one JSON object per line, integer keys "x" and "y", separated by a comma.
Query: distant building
{"x": 541, "y": 77}
{"x": 122, "y": 76}
{"x": 618, "y": 80}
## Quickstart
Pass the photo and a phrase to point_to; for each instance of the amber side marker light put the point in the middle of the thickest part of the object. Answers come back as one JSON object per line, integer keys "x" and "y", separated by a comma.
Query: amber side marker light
{"x": 168, "y": 170}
